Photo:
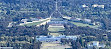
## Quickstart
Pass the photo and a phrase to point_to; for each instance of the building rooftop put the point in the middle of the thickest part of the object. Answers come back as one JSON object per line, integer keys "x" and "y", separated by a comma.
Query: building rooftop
{"x": 6, "y": 47}
{"x": 95, "y": 43}
{"x": 54, "y": 38}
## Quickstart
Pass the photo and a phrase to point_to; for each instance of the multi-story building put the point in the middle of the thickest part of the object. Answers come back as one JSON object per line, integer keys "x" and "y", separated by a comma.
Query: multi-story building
{"x": 95, "y": 44}
{"x": 54, "y": 38}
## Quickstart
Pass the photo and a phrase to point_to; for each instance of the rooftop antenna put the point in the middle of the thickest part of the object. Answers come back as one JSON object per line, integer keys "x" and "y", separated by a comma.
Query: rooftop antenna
{"x": 56, "y": 9}
{"x": 56, "y": 5}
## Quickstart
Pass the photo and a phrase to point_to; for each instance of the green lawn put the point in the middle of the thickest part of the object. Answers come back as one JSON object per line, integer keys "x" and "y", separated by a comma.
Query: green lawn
{"x": 35, "y": 23}
{"x": 56, "y": 29}
{"x": 55, "y": 34}
{"x": 84, "y": 25}
{"x": 109, "y": 47}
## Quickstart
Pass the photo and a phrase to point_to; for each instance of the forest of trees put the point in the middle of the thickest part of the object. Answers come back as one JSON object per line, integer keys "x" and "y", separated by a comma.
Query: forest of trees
{"x": 15, "y": 10}
{"x": 72, "y": 8}
{"x": 22, "y": 31}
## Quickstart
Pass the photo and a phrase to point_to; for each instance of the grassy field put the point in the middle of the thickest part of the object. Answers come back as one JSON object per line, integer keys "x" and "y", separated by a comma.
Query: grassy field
{"x": 56, "y": 29}
{"x": 84, "y": 25}
{"x": 34, "y": 23}
{"x": 55, "y": 34}
{"x": 54, "y": 46}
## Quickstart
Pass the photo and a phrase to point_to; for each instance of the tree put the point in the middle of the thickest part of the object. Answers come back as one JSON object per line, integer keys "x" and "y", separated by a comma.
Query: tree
{"x": 37, "y": 45}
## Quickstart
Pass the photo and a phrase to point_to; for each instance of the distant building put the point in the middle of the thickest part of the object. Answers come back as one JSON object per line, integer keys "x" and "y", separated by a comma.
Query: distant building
{"x": 87, "y": 21}
{"x": 34, "y": 19}
{"x": 56, "y": 23}
{"x": 66, "y": 17}
{"x": 24, "y": 20}
{"x": 84, "y": 6}
{"x": 11, "y": 24}
{"x": 56, "y": 26}
{"x": 96, "y": 5}
{"x": 95, "y": 44}
{"x": 81, "y": 20}
{"x": 54, "y": 38}
{"x": 6, "y": 47}
{"x": 97, "y": 23}
{"x": 76, "y": 19}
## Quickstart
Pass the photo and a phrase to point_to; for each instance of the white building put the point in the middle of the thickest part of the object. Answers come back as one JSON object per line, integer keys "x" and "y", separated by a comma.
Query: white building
{"x": 24, "y": 20}
{"x": 34, "y": 19}
{"x": 56, "y": 26}
{"x": 96, "y": 5}
{"x": 54, "y": 38}
{"x": 96, "y": 44}
{"x": 6, "y": 47}
{"x": 84, "y": 6}
{"x": 96, "y": 23}
{"x": 87, "y": 20}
